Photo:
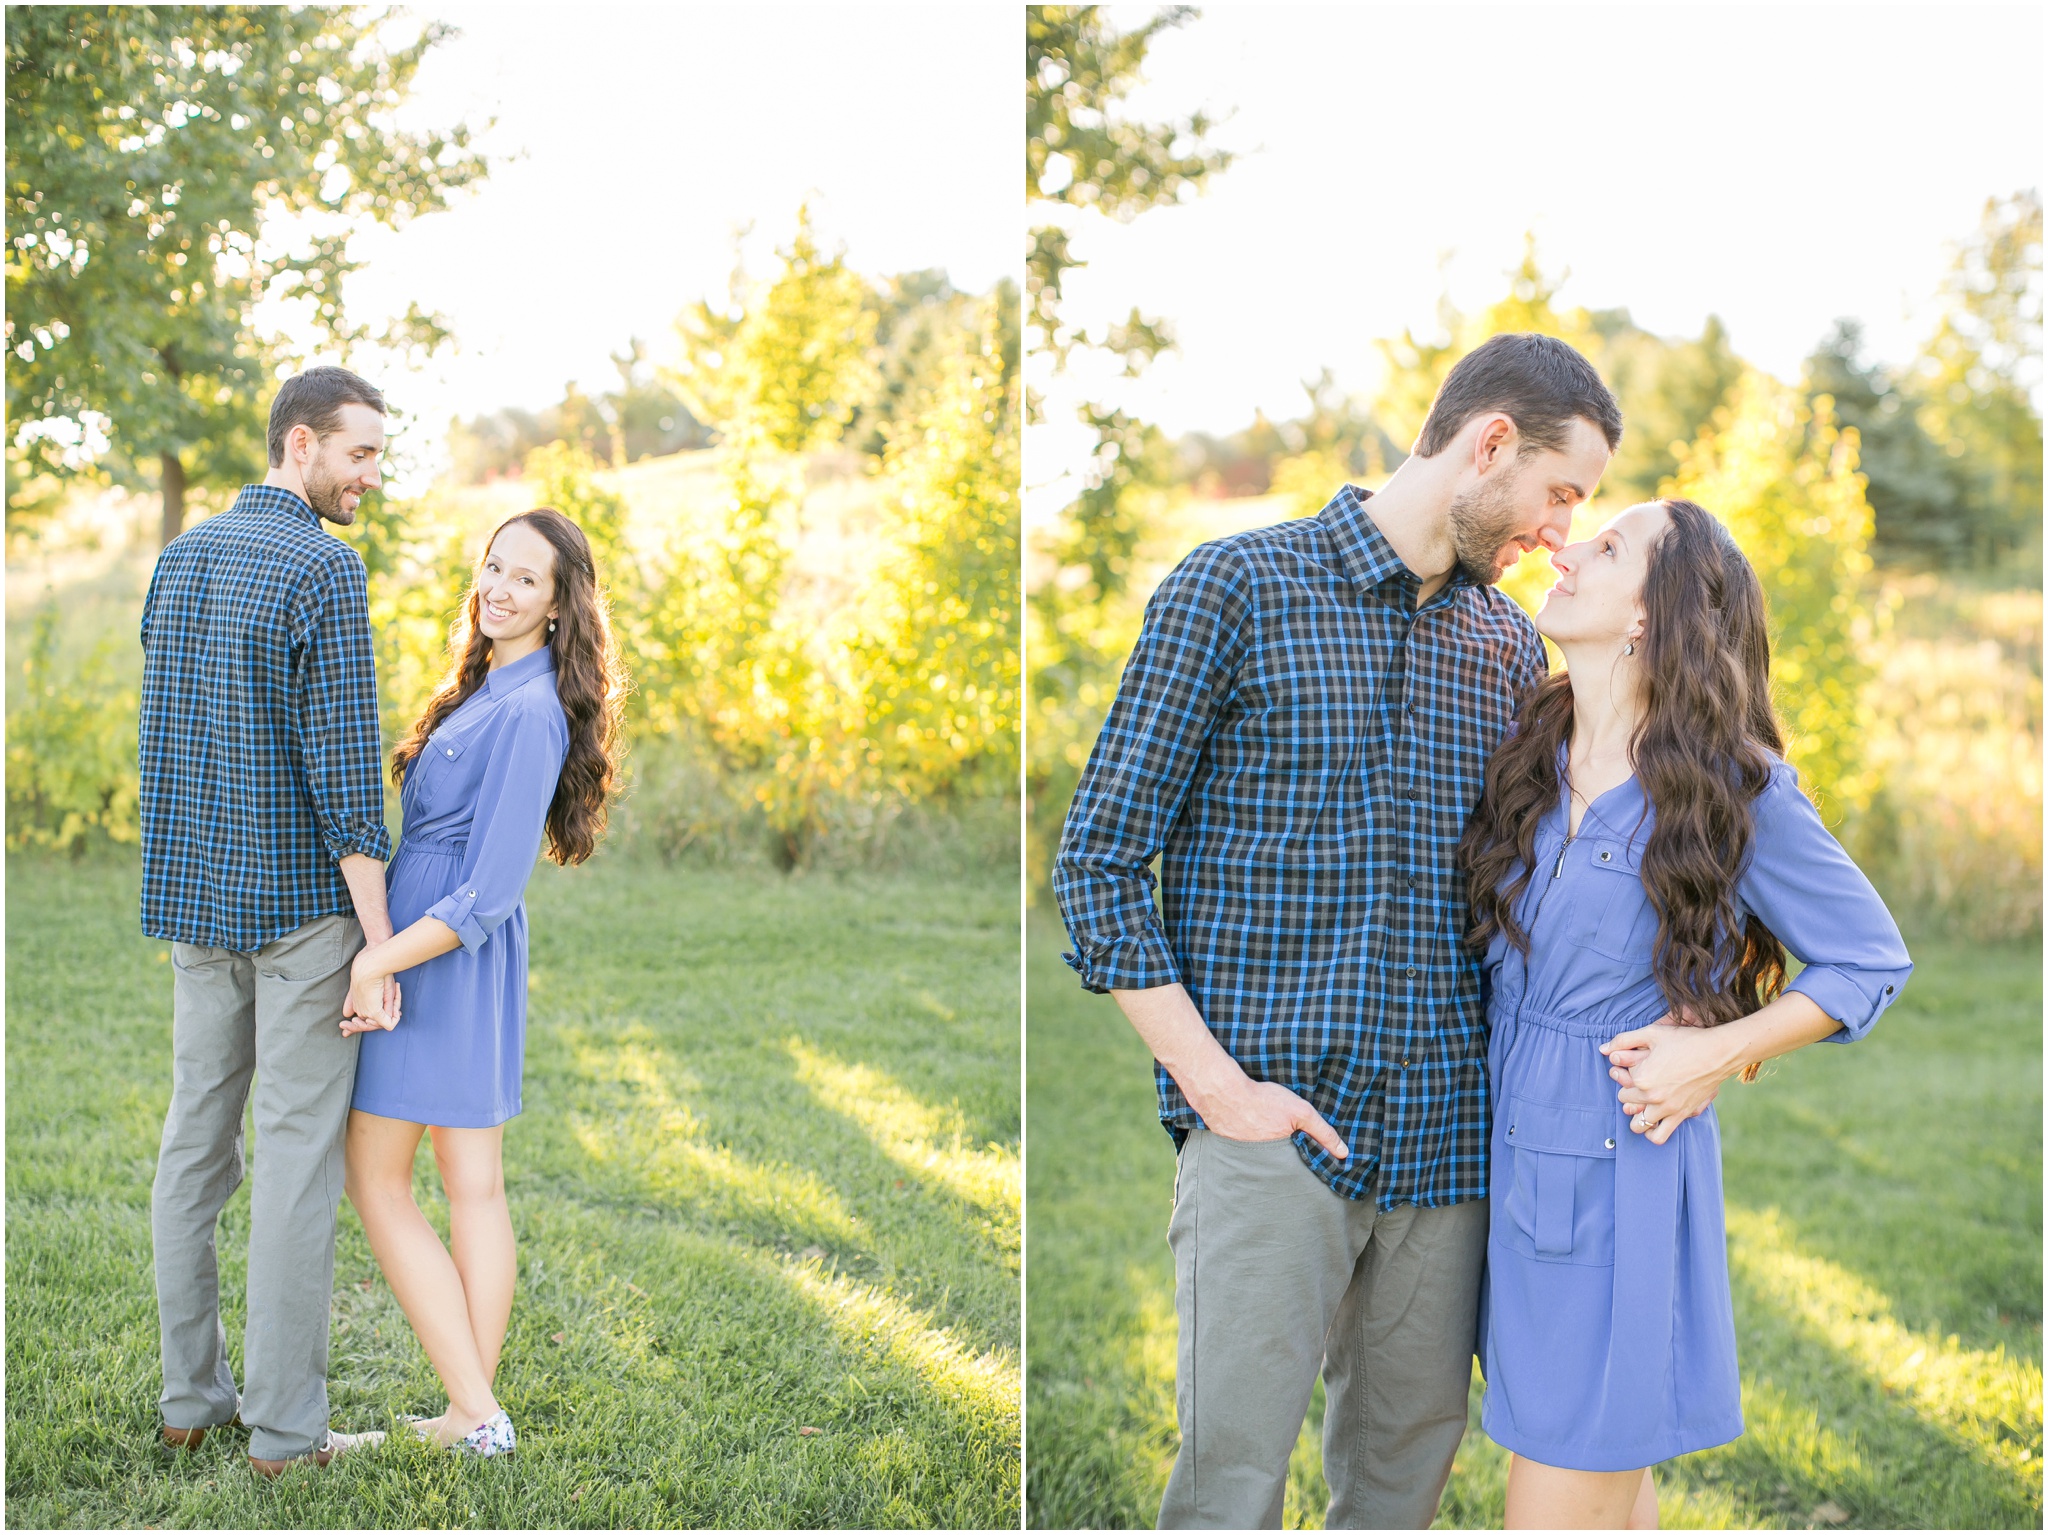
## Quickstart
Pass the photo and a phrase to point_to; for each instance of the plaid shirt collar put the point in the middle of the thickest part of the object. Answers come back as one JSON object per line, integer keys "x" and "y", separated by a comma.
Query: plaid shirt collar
{"x": 1368, "y": 559}
{"x": 275, "y": 498}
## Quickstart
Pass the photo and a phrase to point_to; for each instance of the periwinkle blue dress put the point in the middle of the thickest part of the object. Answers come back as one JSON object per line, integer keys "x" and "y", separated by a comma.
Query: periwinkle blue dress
{"x": 475, "y": 803}
{"x": 1607, "y": 1331}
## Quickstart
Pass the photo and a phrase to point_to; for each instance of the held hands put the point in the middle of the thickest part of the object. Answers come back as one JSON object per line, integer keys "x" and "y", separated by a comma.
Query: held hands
{"x": 372, "y": 997}
{"x": 1266, "y": 1111}
{"x": 1668, "y": 1073}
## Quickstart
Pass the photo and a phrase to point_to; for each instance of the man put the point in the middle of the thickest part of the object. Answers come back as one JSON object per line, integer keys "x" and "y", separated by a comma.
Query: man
{"x": 1302, "y": 731}
{"x": 263, "y": 848}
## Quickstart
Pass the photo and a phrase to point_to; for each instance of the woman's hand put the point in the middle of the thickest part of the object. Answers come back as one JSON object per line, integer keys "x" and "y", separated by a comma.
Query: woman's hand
{"x": 372, "y": 995}
{"x": 1668, "y": 1073}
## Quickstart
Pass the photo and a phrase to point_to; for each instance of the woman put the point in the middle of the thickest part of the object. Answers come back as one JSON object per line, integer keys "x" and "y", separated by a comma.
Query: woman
{"x": 517, "y": 741}
{"x": 1640, "y": 861}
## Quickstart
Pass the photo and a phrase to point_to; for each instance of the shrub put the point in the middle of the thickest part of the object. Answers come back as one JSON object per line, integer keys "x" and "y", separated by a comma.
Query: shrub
{"x": 71, "y": 756}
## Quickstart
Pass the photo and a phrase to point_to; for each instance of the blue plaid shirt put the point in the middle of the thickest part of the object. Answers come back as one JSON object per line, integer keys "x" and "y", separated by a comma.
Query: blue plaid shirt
{"x": 1303, "y": 744}
{"x": 260, "y": 752}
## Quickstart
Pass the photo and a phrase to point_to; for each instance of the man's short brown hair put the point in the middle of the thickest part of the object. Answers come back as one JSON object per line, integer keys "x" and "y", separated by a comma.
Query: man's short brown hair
{"x": 1540, "y": 383}
{"x": 315, "y": 398}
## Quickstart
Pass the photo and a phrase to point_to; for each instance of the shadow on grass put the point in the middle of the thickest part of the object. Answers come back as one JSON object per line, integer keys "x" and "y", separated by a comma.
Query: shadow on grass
{"x": 672, "y": 1341}
{"x": 1884, "y": 1247}
{"x": 629, "y": 1106}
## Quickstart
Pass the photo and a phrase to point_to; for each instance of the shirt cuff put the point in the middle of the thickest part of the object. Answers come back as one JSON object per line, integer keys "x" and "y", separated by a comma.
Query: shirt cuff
{"x": 369, "y": 838}
{"x": 458, "y": 910}
{"x": 1135, "y": 963}
{"x": 1842, "y": 997}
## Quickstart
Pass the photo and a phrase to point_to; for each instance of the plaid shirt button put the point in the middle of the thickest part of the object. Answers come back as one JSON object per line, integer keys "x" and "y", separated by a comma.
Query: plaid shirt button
{"x": 1255, "y": 750}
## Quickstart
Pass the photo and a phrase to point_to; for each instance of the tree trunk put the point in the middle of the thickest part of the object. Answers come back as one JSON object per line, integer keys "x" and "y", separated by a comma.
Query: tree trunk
{"x": 172, "y": 481}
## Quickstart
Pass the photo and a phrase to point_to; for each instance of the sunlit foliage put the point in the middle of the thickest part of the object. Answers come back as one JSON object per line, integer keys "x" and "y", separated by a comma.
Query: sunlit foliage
{"x": 146, "y": 148}
{"x": 1782, "y": 476}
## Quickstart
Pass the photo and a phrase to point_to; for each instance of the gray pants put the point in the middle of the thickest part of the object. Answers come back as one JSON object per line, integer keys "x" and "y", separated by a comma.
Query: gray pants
{"x": 274, "y": 1015}
{"x": 1276, "y": 1276}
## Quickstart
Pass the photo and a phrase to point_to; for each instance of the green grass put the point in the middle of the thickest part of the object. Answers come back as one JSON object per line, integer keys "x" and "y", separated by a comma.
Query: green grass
{"x": 1885, "y": 1243}
{"x": 765, "y": 1181}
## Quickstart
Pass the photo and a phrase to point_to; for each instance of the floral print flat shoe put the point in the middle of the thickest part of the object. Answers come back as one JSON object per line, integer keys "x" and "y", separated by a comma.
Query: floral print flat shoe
{"x": 492, "y": 1437}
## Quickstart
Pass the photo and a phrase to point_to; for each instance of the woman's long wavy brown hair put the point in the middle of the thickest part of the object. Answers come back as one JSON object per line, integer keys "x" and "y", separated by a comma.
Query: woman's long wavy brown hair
{"x": 590, "y": 679}
{"x": 1702, "y": 752}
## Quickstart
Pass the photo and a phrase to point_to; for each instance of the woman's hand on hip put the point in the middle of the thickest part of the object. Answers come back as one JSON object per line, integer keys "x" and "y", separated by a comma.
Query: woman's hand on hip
{"x": 1668, "y": 1073}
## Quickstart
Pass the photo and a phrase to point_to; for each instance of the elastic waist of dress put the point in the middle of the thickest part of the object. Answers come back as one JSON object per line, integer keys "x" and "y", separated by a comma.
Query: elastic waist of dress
{"x": 1587, "y": 1025}
{"x": 451, "y": 847}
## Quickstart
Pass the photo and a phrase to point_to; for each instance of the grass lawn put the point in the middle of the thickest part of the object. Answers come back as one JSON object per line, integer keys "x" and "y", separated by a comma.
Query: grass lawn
{"x": 765, "y": 1189}
{"x": 1884, "y": 1239}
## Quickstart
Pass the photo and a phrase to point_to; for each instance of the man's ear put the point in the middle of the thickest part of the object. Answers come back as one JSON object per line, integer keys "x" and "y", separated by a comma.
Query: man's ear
{"x": 1494, "y": 442}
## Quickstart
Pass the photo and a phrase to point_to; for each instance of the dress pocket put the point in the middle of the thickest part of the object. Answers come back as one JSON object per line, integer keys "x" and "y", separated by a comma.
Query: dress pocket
{"x": 1616, "y": 918}
{"x": 1560, "y": 1204}
{"x": 444, "y": 746}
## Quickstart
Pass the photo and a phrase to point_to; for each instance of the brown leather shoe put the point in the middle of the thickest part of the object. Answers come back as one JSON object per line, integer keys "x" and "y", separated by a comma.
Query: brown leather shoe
{"x": 337, "y": 1444}
{"x": 192, "y": 1438}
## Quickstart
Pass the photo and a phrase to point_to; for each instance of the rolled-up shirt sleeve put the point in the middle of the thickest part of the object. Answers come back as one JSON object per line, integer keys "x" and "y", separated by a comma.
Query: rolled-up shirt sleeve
{"x": 1176, "y": 683}
{"x": 511, "y": 814}
{"x": 1811, "y": 894}
{"x": 334, "y": 677}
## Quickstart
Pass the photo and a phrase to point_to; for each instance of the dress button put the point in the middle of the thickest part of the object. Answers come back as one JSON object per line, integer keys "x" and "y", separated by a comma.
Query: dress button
{"x": 472, "y": 895}
{"x": 1511, "y": 1129}
{"x": 1610, "y": 1143}
{"x": 449, "y": 750}
{"x": 1411, "y": 976}
{"x": 1605, "y": 856}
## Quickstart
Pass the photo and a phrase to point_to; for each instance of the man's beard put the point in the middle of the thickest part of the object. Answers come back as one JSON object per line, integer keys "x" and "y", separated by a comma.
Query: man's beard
{"x": 1483, "y": 522}
{"x": 323, "y": 494}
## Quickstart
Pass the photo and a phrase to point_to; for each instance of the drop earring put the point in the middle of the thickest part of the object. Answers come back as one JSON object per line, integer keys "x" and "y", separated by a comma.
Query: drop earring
{"x": 551, "y": 630}
{"x": 1628, "y": 650}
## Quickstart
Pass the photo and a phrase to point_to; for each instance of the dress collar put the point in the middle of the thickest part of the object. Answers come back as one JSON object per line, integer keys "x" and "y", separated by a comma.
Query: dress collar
{"x": 502, "y": 680}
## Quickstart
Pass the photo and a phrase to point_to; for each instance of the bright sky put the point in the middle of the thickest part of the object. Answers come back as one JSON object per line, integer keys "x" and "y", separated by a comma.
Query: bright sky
{"x": 645, "y": 136}
{"x": 1779, "y": 166}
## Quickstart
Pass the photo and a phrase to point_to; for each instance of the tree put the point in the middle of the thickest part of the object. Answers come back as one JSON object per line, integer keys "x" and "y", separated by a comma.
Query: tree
{"x": 643, "y": 418}
{"x": 1081, "y": 152}
{"x": 941, "y": 665}
{"x": 1781, "y": 474}
{"x": 1084, "y": 155}
{"x": 147, "y": 148}
{"x": 1668, "y": 389}
{"x": 789, "y": 368}
{"x": 1918, "y": 493}
{"x": 1976, "y": 377}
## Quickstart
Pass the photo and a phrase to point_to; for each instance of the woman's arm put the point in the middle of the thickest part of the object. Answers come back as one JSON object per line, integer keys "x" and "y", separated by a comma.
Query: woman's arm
{"x": 1678, "y": 1069}
{"x": 1811, "y": 894}
{"x": 424, "y": 940}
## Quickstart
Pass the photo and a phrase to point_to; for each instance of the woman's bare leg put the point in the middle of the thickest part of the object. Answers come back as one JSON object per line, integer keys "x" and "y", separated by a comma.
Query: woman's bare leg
{"x": 416, "y": 1265}
{"x": 1644, "y": 1515}
{"x": 1544, "y": 1497}
{"x": 473, "y": 1173}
